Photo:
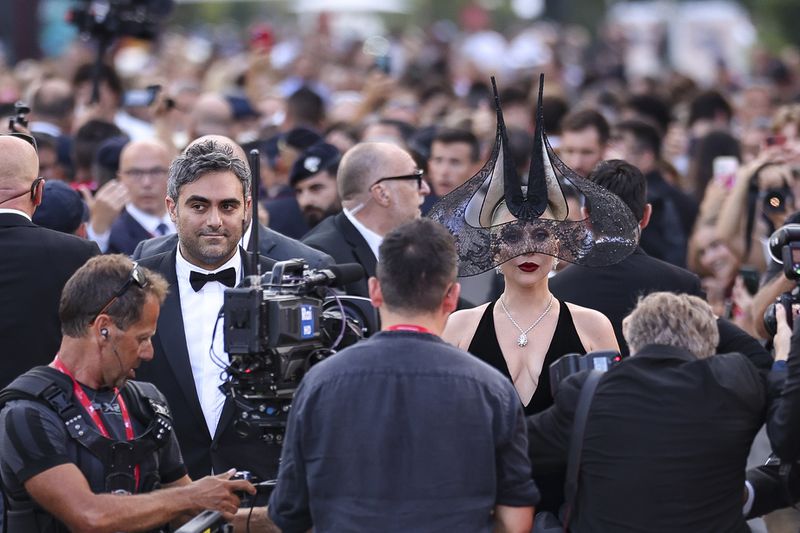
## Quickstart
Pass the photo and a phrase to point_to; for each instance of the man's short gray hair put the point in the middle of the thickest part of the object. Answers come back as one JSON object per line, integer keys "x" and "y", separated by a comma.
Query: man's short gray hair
{"x": 679, "y": 320}
{"x": 359, "y": 169}
{"x": 202, "y": 158}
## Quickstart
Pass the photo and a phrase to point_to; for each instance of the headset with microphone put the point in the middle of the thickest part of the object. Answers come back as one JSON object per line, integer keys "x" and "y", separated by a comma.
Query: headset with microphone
{"x": 104, "y": 334}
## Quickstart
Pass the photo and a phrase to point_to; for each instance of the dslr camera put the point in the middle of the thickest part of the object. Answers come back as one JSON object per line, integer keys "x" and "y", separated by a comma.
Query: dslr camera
{"x": 275, "y": 331}
{"x": 572, "y": 363}
{"x": 784, "y": 248}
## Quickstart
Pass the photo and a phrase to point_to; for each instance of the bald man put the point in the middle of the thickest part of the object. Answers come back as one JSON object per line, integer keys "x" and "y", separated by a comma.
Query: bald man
{"x": 212, "y": 114}
{"x": 35, "y": 264}
{"x": 270, "y": 243}
{"x": 143, "y": 169}
{"x": 380, "y": 188}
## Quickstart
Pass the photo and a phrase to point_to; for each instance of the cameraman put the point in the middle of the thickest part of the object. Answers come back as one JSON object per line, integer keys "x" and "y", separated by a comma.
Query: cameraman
{"x": 82, "y": 448}
{"x": 669, "y": 429}
{"x": 403, "y": 432}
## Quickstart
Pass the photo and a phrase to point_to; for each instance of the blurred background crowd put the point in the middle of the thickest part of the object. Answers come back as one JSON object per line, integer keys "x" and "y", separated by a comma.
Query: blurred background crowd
{"x": 701, "y": 96}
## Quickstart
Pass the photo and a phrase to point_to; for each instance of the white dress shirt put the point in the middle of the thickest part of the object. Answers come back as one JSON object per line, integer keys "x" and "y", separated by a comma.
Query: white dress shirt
{"x": 200, "y": 310}
{"x": 373, "y": 239}
{"x": 150, "y": 222}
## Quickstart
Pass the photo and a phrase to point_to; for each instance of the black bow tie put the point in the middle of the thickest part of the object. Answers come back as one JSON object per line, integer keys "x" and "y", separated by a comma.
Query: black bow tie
{"x": 226, "y": 277}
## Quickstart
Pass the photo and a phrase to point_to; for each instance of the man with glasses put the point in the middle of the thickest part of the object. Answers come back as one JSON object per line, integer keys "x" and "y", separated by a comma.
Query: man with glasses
{"x": 84, "y": 448}
{"x": 380, "y": 188}
{"x": 35, "y": 264}
{"x": 143, "y": 168}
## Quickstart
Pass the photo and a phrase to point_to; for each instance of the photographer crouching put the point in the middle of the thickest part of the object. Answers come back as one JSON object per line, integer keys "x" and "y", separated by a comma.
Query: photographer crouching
{"x": 668, "y": 431}
{"x": 84, "y": 448}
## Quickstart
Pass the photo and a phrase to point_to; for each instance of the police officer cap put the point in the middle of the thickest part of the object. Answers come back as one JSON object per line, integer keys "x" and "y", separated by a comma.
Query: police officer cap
{"x": 317, "y": 158}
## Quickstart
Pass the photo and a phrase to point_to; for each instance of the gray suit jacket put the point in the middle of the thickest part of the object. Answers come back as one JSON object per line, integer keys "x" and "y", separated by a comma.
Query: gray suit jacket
{"x": 270, "y": 244}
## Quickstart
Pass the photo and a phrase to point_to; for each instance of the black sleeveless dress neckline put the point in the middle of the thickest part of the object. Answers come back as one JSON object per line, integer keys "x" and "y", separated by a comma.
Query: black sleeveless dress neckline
{"x": 565, "y": 340}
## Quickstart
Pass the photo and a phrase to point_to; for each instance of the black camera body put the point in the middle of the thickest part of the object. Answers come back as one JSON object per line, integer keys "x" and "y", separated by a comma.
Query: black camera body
{"x": 108, "y": 19}
{"x": 784, "y": 248}
{"x": 571, "y": 363}
{"x": 275, "y": 332}
{"x": 20, "y": 117}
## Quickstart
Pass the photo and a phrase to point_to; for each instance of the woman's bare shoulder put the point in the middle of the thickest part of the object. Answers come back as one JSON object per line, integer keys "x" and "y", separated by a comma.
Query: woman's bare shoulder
{"x": 461, "y": 326}
{"x": 593, "y": 327}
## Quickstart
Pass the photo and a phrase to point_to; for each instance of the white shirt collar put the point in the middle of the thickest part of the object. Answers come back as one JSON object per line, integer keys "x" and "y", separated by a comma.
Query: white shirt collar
{"x": 15, "y": 212}
{"x": 200, "y": 311}
{"x": 373, "y": 239}
{"x": 150, "y": 222}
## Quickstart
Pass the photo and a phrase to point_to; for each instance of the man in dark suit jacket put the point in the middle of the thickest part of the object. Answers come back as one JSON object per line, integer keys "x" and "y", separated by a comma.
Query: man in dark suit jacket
{"x": 669, "y": 429}
{"x": 36, "y": 262}
{"x": 380, "y": 189}
{"x": 207, "y": 199}
{"x": 270, "y": 244}
{"x": 143, "y": 167}
{"x": 613, "y": 290}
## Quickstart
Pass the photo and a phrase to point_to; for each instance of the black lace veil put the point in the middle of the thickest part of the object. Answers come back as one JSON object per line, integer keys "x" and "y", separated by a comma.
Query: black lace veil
{"x": 497, "y": 215}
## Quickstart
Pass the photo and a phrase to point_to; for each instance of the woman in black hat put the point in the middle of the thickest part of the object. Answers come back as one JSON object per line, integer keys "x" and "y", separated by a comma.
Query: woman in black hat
{"x": 520, "y": 226}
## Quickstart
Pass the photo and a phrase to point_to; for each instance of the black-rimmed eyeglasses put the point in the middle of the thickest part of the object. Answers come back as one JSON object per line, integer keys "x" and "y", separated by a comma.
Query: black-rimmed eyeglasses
{"x": 416, "y": 175}
{"x": 137, "y": 276}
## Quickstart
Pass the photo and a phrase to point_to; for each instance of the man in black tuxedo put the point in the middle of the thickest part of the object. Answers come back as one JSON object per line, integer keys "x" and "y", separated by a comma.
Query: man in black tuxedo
{"x": 613, "y": 290}
{"x": 270, "y": 243}
{"x": 380, "y": 188}
{"x": 36, "y": 262}
{"x": 208, "y": 196}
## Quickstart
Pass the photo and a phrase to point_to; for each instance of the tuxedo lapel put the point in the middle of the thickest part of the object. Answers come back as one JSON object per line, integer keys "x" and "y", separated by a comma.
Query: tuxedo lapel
{"x": 172, "y": 337}
{"x": 266, "y": 242}
{"x": 360, "y": 247}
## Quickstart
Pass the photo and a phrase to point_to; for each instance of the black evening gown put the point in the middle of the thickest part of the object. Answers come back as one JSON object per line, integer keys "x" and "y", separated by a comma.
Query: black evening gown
{"x": 565, "y": 340}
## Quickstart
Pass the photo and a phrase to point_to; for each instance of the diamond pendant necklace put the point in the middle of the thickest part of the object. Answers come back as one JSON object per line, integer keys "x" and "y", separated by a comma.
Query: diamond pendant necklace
{"x": 522, "y": 340}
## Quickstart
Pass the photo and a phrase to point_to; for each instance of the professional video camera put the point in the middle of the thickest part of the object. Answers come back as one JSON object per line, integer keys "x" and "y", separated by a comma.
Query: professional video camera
{"x": 275, "y": 332}
{"x": 784, "y": 248}
{"x": 571, "y": 363}
{"x": 107, "y": 20}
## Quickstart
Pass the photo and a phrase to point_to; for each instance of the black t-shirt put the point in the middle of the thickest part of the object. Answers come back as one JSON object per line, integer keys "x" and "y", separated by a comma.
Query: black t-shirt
{"x": 33, "y": 439}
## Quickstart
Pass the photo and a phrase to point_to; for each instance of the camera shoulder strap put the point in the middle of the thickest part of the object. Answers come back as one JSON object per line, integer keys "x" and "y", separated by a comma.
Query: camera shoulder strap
{"x": 576, "y": 442}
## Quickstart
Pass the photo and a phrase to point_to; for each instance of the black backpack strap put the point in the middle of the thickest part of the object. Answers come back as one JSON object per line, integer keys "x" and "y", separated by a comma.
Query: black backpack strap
{"x": 576, "y": 441}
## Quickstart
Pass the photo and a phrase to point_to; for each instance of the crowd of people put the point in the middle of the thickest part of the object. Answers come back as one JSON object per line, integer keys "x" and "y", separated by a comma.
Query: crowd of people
{"x": 501, "y": 224}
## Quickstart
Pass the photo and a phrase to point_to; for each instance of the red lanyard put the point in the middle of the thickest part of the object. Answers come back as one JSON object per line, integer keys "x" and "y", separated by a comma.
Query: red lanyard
{"x": 87, "y": 405}
{"x": 409, "y": 327}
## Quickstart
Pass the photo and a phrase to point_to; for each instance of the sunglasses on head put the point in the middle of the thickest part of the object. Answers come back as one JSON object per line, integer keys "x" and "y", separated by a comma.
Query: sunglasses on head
{"x": 136, "y": 276}
{"x": 25, "y": 137}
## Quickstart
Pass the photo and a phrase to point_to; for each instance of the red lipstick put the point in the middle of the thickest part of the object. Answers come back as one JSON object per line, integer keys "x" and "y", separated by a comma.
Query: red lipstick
{"x": 528, "y": 267}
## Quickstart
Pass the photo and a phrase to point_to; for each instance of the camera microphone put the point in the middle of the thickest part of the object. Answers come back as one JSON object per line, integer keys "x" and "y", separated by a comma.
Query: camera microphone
{"x": 335, "y": 275}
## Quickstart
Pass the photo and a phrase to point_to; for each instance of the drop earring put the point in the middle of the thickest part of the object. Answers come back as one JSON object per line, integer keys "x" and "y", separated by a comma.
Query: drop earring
{"x": 555, "y": 263}
{"x": 498, "y": 269}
